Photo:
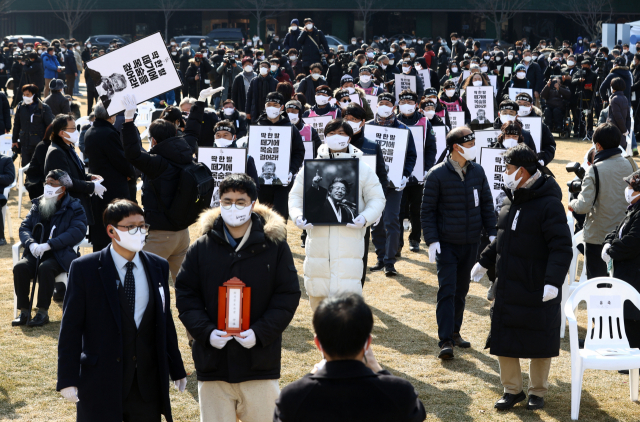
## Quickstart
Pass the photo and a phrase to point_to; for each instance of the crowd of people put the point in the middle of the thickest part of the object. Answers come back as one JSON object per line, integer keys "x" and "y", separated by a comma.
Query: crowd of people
{"x": 118, "y": 344}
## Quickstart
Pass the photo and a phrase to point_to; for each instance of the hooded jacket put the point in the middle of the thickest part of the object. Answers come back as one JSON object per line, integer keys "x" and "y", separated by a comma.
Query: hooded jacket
{"x": 333, "y": 262}
{"x": 265, "y": 264}
{"x": 617, "y": 72}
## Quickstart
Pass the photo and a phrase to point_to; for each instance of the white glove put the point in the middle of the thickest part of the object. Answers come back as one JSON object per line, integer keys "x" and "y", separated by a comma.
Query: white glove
{"x": 206, "y": 93}
{"x": 550, "y": 292}
{"x": 491, "y": 239}
{"x": 626, "y": 133}
{"x": 217, "y": 340}
{"x": 605, "y": 253}
{"x": 181, "y": 384}
{"x": 403, "y": 183}
{"x": 32, "y": 248}
{"x": 358, "y": 222}
{"x": 130, "y": 106}
{"x": 433, "y": 249}
{"x": 41, "y": 249}
{"x": 70, "y": 394}
{"x": 289, "y": 178}
{"x": 377, "y": 221}
{"x": 218, "y": 89}
{"x": 1, "y": 65}
{"x": 98, "y": 189}
{"x": 477, "y": 272}
{"x": 249, "y": 339}
{"x": 541, "y": 162}
{"x": 302, "y": 223}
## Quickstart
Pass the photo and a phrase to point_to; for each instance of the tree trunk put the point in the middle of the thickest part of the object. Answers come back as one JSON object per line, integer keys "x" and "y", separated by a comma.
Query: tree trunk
{"x": 70, "y": 28}
{"x": 498, "y": 29}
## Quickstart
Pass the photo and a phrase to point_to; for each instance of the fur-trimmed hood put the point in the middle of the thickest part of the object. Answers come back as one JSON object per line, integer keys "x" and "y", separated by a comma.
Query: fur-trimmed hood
{"x": 274, "y": 226}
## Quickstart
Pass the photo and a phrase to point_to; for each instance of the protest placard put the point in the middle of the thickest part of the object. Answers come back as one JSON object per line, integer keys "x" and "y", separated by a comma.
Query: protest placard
{"x": 533, "y": 125}
{"x": 513, "y": 92}
{"x": 493, "y": 79}
{"x": 355, "y": 98}
{"x": 393, "y": 142}
{"x": 484, "y": 138}
{"x": 222, "y": 162}
{"x": 270, "y": 147}
{"x": 318, "y": 123}
{"x": 425, "y": 77}
{"x": 507, "y": 72}
{"x": 456, "y": 118}
{"x": 465, "y": 74}
{"x": 143, "y": 69}
{"x": 418, "y": 140}
{"x": 441, "y": 140}
{"x": 403, "y": 82}
{"x": 373, "y": 103}
{"x": 494, "y": 166}
{"x": 480, "y": 103}
{"x": 308, "y": 150}
{"x": 5, "y": 144}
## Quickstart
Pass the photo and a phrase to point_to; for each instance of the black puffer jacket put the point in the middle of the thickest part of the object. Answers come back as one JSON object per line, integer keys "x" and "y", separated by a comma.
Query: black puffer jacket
{"x": 58, "y": 103}
{"x": 265, "y": 264}
{"x": 310, "y": 45}
{"x": 30, "y": 123}
{"x": 259, "y": 87}
{"x": 449, "y": 211}
{"x": 535, "y": 253}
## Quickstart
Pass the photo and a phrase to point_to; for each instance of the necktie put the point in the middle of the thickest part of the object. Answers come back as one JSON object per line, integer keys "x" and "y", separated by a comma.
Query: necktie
{"x": 130, "y": 287}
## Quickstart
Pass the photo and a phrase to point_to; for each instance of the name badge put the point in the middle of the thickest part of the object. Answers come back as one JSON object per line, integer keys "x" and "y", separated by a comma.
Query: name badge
{"x": 475, "y": 197}
{"x": 161, "y": 290}
{"x": 515, "y": 220}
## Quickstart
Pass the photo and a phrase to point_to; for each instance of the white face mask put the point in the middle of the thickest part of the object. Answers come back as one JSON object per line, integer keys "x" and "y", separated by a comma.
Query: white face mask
{"x": 336, "y": 142}
{"x": 62, "y": 49}
{"x": 344, "y": 105}
{"x": 248, "y": 68}
{"x": 468, "y": 154}
{"x": 316, "y": 76}
{"x": 510, "y": 181}
{"x": 504, "y": 118}
{"x": 406, "y": 69}
{"x": 629, "y": 194}
{"x": 74, "y": 137}
{"x": 294, "y": 27}
{"x": 274, "y": 67}
{"x": 510, "y": 56}
{"x": 498, "y": 58}
{"x": 264, "y": 71}
{"x": 322, "y": 99}
{"x": 234, "y": 217}
{"x": 172, "y": 43}
{"x": 454, "y": 69}
{"x": 407, "y": 108}
{"x": 412, "y": 55}
{"x": 229, "y": 110}
{"x": 450, "y": 92}
{"x": 365, "y": 79}
{"x": 527, "y": 58}
{"x": 309, "y": 26}
{"x": 524, "y": 111}
{"x": 131, "y": 242}
{"x": 293, "y": 58}
{"x": 353, "y": 42}
{"x": 521, "y": 75}
{"x": 383, "y": 66}
{"x": 223, "y": 143}
{"x": 293, "y": 117}
{"x": 570, "y": 63}
{"x": 351, "y": 90}
{"x": 51, "y": 192}
{"x": 509, "y": 143}
{"x": 391, "y": 62}
{"x": 418, "y": 67}
{"x": 355, "y": 126}
{"x": 248, "y": 43}
{"x": 27, "y": 100}
{"x": 484, "y": 69}
{"x": 487, "y": 57}
{"x": 384, "y": 111}
{"x": 477, "y": 83}
{"x": 370, "y": 54}
{"x": 430, "y": 114}
{"x": 272, "y": 112}
{"x": 593, "y": 50}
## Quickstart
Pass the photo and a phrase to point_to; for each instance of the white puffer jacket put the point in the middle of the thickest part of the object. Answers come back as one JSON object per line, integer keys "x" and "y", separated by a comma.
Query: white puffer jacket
{"x": 333, "y": 262}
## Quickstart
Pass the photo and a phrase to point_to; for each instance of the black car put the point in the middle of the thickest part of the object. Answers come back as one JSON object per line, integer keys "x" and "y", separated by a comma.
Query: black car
{"x": 230, "y": 36}
{"x": 27, "y": 39}
{"x": 102, "y": 41}
{"x": 194, "y": 40}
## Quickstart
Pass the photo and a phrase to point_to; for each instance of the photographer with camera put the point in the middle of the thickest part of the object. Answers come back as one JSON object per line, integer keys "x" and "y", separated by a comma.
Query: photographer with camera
{"x": 555, "y": 93}
{"x": 229, "y": 69}
{"x": 602, "y": 195}
{"x": 584, "y": 82}
{"x": 313, "y": 46}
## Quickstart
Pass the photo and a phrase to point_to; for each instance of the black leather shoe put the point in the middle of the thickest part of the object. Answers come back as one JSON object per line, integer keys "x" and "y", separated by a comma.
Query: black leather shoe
{"x": 459, "y": 341}
{"x": 38, "y": 321}
{"x": 624, "y": 371}
{"x": 3, "y": 241}
{"x": 390, "y": 271}
{"x": 535, "y": 402}
{"x": 446, "y": 351}
{"x": 21, "y": 320}
{"x": 414, "y": 246}
{"x": 378, "y": 267}
{"x": 509, "y": 400}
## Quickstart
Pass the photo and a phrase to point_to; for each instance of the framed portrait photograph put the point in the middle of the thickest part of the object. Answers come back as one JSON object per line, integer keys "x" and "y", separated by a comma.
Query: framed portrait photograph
{"x": 330, "y": 191}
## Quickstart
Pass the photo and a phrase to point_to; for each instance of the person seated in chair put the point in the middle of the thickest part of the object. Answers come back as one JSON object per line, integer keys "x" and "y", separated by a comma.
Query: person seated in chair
{"x": 556, "y": 94}
{"x": 7, "y": 176}
{"x": 64, "y": 225}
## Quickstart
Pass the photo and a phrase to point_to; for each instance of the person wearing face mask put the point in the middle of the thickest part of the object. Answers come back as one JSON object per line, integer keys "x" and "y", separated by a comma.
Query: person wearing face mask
{"x": 555, "y": 95}
{"x": 518, "y": 80}
{"x": 620, "y": 246}
{"x": 291, "y": 39}
{"x": 310, "y": 83}
{"x": 259, "y": 88}
{"x": 313, "y": 45}
{"x": 241, "y": 84}
{"x": 407, "y": 68}
{"x": 294, "y": 63}
{"x": 457, "y": 48}
{"x": 64, "y": 225}
{"x": 508, "y": 113}
{"x": 58, "y": 103}
{"x": 321, "y": 278}
{"x": 337, "y": 70}
{"x": 51, "y": 68}
{"x": 547, "y": 142}
{"x": 308, "y": 133}
{"x": 225, "y": 136}
{"x": 429, "y": 111}
{"x": 532, "y": 233}
{"x": 278, "y": 72}
{"x": 367, "y": 82}
{"x": 450, "y": 101}
{"x": 238, "y": 119}
{"x": 386, "y": 235}
{"x": 389, "y": 69}
{"x": 31, "y": 119}
{"x": 197, "y": 75}
{"x": 452, "y": 72}
{"x": 585, "y": 81}
{"x": 452, "y": 221}
{"x": 533, "y": 73}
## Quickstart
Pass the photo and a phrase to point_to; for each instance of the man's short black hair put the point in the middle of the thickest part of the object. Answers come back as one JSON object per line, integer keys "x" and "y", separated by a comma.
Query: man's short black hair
{"x": 618, "y": 84}
{"x": 607, "y": 135}
{"x": 118, "y": 210}
{"x": 335, "y": 124}
{"x": 521, "y": 156}
{"x": 454, "y": 35}
{"x": 316, "y": 66}
{"x": 355, "y": 110}
{"x": 161, "y": 130}
{"x": 239, "y": 182}
{"x": 343, "y": 324}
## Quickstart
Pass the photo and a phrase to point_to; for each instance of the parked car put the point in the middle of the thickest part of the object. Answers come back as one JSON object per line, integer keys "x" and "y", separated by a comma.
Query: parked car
{"x": 485, "y": 42}
{"x": 334, "y": 41}
{"x": 228, "y": 35}
{"x": 102, "y": 41}
{"x": 195, "y": 40}
{"x": 28, "y": 39}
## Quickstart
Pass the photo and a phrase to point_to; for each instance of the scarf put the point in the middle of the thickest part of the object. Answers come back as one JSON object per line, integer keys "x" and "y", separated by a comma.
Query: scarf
{"x": 389, "y": 121}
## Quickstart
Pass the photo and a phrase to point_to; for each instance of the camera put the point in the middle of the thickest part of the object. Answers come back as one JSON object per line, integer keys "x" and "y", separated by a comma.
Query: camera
{"x": 600, "y": 62}
{"x": 575, "y": 186}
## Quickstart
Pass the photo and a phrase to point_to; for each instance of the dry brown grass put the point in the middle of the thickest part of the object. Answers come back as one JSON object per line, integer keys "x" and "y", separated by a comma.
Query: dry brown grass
{"x": 405, "y": 343}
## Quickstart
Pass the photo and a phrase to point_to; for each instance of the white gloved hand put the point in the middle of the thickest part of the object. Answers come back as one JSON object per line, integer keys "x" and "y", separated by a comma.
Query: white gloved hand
{"x": 541, "y": 162}
{"x": 41, "y": 249}
{"x": 433, "y": 249}
{"x": 218, "y": 89}
{"x": 550, "y": 292}
{"x": 491, "y": 239}
{"x": 358, "y": 222}
{"x": 289, "y": 178}
{"x": 605, "y": 253}
{"x": 247, "y": 339}
{"x": 32, "y": 248}
{"x": 403, "y": 184}
{"x": 377, "y": 221}
{"x": 217, "y": 340}
{"x": 206, "y": 93}
{"x": 130, "y": 106}
{"x": 302, "y": 223}
{"x": 98, "y": 189}
{"x": 1, "y": 65}
{"x": 477, "y": 272}
{"x": 181, "y": 384}
{"x": 70, "y": 394}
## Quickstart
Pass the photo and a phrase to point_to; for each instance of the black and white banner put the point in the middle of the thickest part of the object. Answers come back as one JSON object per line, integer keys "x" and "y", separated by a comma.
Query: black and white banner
{"x": 393, "y": 142}
{"x": 270, "y": 147}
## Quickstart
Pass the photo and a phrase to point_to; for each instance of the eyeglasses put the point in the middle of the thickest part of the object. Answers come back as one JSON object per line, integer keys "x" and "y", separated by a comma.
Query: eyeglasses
{"x": 345, "y": 100}
{"x": 134, "y": 229}
{"x": 239, "y": 206}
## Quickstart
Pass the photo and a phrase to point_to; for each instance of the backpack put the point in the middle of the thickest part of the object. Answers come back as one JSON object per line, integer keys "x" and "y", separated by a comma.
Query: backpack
{"x": 195, "y": 189}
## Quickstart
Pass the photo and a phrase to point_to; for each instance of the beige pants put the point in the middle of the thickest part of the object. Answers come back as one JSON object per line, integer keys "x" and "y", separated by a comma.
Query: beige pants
{"x": 249, "y": 401}
{"x": 172, "y": 246}
{"x": 47, "y": 90}
{"x": 511, "y": 376}
{"x": 314, "y": 302}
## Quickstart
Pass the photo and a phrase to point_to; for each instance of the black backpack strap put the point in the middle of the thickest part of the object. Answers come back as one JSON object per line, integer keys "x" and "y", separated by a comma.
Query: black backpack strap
{"x": 595, "y": 170}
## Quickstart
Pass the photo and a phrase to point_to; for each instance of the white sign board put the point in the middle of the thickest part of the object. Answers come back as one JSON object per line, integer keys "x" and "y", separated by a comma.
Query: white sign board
{"x": 484, "y": 138}
{"x": 222, "y": 162}
{"x": 373, "y": 103}
{"x": 465, "y": 74}
{"x": 493, "y": 79}
{"x": 480, "y": 103}
{"x": 418, "y": 140}
{"x": 425, "y": 77}
{"x": 533, "y": 125}
{"x": 308, "y": 150}
{"x": 5, "y": 144}
{"x": 441, "y": 140}
{"x": 456, "y": 118}
{"x": 507, "y": 72}
{"x": 143, "y": 69}
{"x": 318, "y": 123}
{"x": 393, "y": 142}
{"x": 355, "y": 98}
{"x": 493, "y": 165}
{"x": 270, "y": 147}
{"x": 403, "y": 82}
{"x": 513, "y": 92}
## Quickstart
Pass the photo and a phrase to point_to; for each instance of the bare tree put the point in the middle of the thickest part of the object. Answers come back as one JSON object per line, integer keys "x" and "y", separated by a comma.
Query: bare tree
{"x": 263, "y": 9}
{"x": 5, "y": 4}
{"x": 72, "y": 12}
{"x": 367, "y": 9}
{"x": 589, "y": 14}
{"x": 169, "y": 7}
{"x": 499, "y": 12}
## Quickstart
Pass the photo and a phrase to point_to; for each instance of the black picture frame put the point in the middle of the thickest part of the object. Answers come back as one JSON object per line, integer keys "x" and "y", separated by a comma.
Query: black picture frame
{"x": 317, "y": 207}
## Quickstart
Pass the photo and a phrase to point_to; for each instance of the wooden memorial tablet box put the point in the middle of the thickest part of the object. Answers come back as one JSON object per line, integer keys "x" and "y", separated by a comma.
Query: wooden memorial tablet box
{"x": 234, "y": 307}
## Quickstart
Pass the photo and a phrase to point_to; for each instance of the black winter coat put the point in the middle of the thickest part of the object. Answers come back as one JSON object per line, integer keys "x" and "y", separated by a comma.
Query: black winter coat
{"x": 30, "y": 123}
{"x": 238, "y": 119}
{"x": 625, "y": 252}
{"x": 308, "y": 87}
{"x": 35, "y": 176}
{"x": 532, "y": 249}
{"x": 617, "y": 72}
{"x": 334, "y": 74}
{"x": 207, "y": 137}
{"x": 238, "y": 93}
{"x": 259, "y": 87}
{"x": 619, "y": 111}
{"x": 297, "y": 146}
{"x": 291, "y": 41}
{"x": 58, "y": 103}
{"x": 35, "y": 73}
{"x": 5, "y": 113}
{"x": 449, "y": 212}
{"x": 310, "y": 52}
{"x": 195, "y": 86}
{"x": 265, "y": 264}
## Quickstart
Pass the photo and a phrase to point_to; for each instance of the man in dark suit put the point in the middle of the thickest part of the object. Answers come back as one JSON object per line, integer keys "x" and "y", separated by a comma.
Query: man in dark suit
{"x": 351, "y": 380}
{"x": 118, "y": 344}
{"x": 329, "y": 205}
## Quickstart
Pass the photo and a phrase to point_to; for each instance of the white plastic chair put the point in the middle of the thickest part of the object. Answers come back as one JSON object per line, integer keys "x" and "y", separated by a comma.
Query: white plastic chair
{"x": 82, "y": 121}
{"x": 605, "y": 297}
{"x": 570, "y": 283}
{"x": 5, "y": 210}
{"x": 21, "y": 189}
{"x": 5, "y": 144}
{"x": 143, "y": 119}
